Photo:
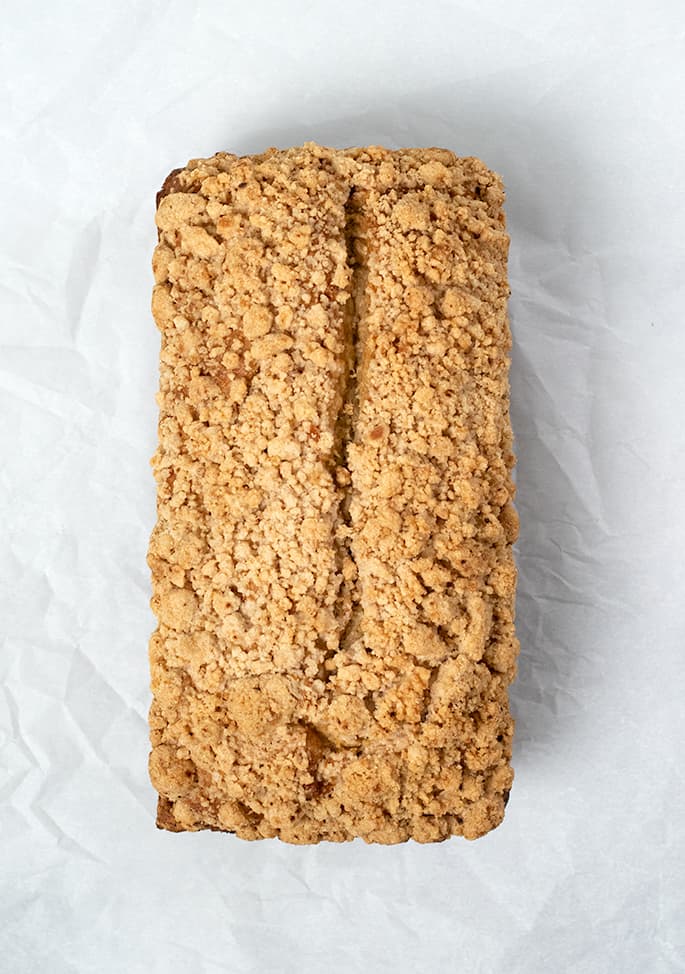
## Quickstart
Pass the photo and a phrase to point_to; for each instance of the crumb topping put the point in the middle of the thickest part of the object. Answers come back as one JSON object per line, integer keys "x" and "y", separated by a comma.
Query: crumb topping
{"x": 332, "y": 566}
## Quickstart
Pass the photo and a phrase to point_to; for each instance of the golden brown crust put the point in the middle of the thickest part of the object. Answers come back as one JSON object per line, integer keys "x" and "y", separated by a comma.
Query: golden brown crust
{"x": 332, "y": 564}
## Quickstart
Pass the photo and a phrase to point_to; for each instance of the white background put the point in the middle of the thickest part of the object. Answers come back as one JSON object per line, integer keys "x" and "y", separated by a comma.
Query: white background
{"x": 580, "y": 106}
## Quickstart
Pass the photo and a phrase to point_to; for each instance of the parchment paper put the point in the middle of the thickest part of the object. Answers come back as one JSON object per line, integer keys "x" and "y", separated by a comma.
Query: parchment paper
{"x": 579, "y": 105}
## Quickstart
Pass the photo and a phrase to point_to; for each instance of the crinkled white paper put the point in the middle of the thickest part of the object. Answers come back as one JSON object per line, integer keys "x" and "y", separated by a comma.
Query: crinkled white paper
{"x": 580, "y": 106}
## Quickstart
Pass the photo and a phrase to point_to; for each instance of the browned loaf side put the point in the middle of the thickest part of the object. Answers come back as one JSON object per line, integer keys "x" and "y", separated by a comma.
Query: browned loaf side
{"x": 332, "y": 566}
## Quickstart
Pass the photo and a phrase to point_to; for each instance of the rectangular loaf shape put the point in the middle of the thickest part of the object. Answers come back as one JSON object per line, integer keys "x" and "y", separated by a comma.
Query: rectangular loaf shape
{"x": 332, "y": 568}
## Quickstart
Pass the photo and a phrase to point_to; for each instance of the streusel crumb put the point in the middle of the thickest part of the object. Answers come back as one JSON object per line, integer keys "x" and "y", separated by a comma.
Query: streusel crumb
{"x": 332, "y": 567}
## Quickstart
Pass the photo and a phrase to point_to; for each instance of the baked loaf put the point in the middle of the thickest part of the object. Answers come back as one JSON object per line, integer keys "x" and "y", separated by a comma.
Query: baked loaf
{"x": 332, "y": 567}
